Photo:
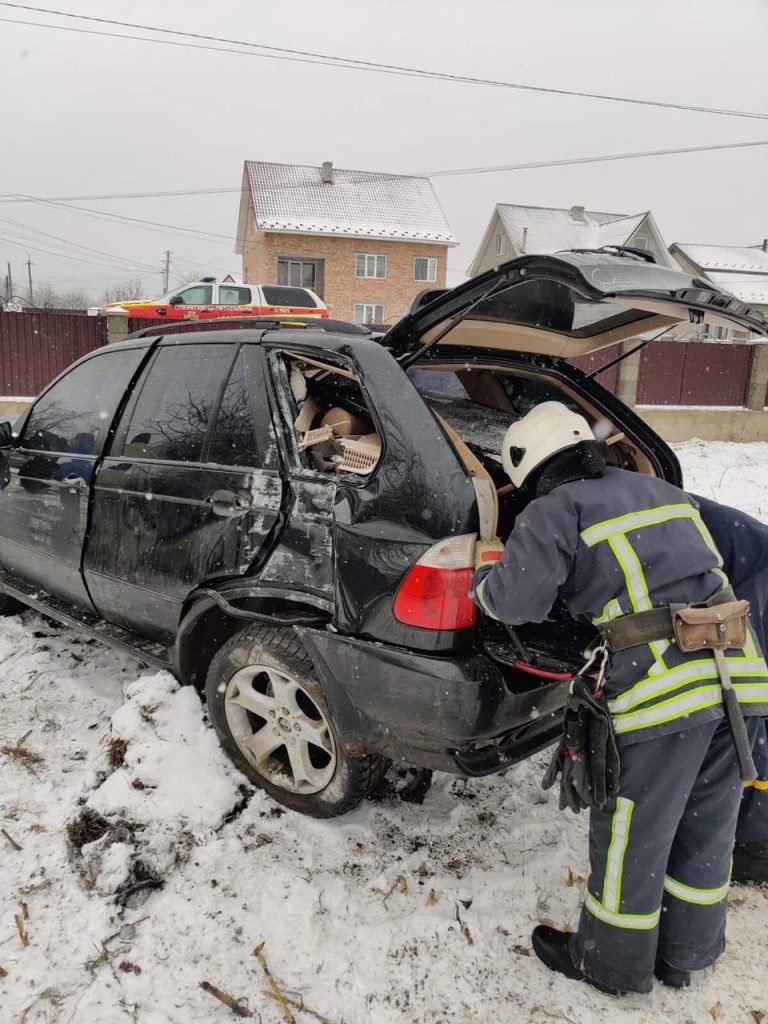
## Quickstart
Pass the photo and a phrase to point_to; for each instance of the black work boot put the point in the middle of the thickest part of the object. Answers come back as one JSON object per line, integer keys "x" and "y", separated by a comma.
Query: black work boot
{"x": 552, "y": 947}
{"x": 750, "y": 862}
{"x": 672, "y": 977}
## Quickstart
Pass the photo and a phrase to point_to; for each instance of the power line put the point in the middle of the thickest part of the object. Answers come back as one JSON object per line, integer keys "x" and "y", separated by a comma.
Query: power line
{"x": 113, "y": 257}
{"x": 159, "y": 226}
{"x": 454, "y": 172}
{"x": 347, "y": 63}
{"x": 595, "y": 159}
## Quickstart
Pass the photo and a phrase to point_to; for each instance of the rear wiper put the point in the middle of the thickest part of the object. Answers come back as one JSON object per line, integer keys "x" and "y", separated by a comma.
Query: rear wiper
{"x": 406, "y": 360}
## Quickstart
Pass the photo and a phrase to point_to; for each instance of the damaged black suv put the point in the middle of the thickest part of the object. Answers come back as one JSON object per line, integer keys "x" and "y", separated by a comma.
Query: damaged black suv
{"x": 285, "y": 513}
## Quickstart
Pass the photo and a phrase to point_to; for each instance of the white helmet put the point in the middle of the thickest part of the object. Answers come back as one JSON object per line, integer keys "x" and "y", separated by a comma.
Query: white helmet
{"x": 549, "y": 428}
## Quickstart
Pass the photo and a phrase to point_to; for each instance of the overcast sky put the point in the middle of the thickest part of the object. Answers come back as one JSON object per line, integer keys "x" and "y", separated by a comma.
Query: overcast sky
{"x": 86, "y": 115}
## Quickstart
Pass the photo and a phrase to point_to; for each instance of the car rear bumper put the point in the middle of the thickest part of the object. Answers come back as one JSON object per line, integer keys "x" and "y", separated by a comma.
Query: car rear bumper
{"x": 463, "y": 714}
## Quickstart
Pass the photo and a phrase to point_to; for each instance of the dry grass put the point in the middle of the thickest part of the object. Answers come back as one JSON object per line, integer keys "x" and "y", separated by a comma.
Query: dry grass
{"x": 116, "y": 749}
{"x": 23, "y": 755}
{"x": 87, "y": 828}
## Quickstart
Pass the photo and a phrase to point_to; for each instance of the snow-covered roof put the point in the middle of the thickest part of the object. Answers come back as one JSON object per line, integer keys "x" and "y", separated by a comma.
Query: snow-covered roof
{"x": 550, "y": 229}
{"x": 752, "y": 259}
{"x": 740, "y": 270}
{"x": 355, "y": 204}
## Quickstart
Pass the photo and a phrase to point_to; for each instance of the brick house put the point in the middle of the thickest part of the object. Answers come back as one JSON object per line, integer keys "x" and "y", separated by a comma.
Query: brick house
{"x": 517, "y": 230}
{"x": 366, "y": 242}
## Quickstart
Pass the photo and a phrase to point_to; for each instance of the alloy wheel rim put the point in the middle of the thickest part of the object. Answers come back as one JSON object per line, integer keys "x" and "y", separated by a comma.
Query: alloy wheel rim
{"x": 280, "y": 729}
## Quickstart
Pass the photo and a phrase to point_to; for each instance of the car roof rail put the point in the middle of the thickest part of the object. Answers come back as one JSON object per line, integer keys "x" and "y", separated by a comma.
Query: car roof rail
{"x": 620, "y": 250}
{"x": 267, "y": 323}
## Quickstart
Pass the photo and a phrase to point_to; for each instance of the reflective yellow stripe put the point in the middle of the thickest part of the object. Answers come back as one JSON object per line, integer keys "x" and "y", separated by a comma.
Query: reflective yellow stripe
{"x": 689, "y": 894}
{"x": 633, "y": 572}
{"x": 614, "y": 867}
{"x": 761, "y": 784}
{"x": 708, "y": 539}
{"x": 611, "y": 610}
{"x": 658, "y": 649}
{"x": 635, "y": 521}
{"x": 634, "y": 922}
{"x": 689, "y": 672}
{"x": 687, "y": 704}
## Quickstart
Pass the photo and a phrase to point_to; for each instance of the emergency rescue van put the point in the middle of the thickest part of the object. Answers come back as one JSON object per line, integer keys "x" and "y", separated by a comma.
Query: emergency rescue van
{"x": 208, "y": 298}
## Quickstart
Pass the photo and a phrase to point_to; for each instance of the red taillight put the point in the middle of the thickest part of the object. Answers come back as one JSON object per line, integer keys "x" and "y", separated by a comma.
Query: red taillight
{"x": 435, "y": 592}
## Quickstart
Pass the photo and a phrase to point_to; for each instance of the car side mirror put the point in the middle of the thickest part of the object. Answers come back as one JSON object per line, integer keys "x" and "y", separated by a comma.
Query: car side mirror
{"x": 175, "y": 300}
{"x": 6, "y": 434}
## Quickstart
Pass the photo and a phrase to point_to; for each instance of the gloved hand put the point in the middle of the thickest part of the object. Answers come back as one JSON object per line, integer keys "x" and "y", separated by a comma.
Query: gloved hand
{"x": 487, "y": 552}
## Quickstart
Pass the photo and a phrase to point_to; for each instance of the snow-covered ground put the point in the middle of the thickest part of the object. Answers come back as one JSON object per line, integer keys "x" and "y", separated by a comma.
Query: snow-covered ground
{"x": 396, "y": 913}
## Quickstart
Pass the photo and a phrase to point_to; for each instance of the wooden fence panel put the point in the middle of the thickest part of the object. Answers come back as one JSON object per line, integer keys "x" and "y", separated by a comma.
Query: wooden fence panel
{"x": 36, "y": 346}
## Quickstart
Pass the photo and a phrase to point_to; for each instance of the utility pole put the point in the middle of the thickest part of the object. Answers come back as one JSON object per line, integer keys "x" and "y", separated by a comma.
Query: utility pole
{"x": 166, "y": 269}
{"x": 9, "y": 280}
{"x": 29, "y": 274}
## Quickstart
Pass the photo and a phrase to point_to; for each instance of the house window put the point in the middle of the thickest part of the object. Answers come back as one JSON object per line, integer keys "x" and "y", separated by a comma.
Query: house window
{"x": 499, "y": 245}
{"x": 367, "y": 265}
{"x": 425, "y": 268}
{"x": 368, "y": 313}
{"x": 297, "y": 273}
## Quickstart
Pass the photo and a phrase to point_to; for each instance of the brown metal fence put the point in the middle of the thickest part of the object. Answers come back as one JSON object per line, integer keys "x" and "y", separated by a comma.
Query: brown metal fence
{"x": 35, "y": 347}
{"x": 694, "y": 373}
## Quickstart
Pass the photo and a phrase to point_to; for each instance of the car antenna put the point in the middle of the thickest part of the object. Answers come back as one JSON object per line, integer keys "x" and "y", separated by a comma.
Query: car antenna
{"x": 406, "y": 360}
{"x": 625, "y": 355}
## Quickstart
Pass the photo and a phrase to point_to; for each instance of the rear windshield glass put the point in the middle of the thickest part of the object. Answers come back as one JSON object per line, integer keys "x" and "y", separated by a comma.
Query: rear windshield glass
{"x": 275, "y": 295}
{"x": 555, "y": 307}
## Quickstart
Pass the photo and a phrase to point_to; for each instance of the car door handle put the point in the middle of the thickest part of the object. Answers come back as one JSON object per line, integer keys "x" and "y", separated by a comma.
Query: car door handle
{"x": 75, "y": 484}
{"x": 230, "y": 503}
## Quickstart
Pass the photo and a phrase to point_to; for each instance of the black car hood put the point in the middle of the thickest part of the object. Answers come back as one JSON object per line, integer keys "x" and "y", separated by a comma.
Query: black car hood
{"x": 566, "y": 305}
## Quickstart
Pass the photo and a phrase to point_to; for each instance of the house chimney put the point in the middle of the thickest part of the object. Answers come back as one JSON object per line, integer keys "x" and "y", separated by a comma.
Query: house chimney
{"x": 525, "y": 239}
{"x": 577, "y": 213}
{"x": 327, "y": 172}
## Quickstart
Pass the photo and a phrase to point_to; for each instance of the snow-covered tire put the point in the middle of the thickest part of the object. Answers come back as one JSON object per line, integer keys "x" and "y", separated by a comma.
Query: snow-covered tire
{"x": 267, "y": 706}
{"x": 10, "y": 606}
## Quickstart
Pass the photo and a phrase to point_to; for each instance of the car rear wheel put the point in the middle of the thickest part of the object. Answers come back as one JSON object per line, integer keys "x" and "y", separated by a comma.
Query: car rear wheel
{"x": 267, "y": 706}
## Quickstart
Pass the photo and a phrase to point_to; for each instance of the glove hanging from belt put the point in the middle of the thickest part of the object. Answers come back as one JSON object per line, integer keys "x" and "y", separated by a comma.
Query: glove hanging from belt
{"x": 586, "y": 759}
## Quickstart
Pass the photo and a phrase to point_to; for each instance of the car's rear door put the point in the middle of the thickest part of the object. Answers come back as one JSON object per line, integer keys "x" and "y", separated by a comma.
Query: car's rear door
{"x": 44, "y": 503}
{"x": 190, "y": 490}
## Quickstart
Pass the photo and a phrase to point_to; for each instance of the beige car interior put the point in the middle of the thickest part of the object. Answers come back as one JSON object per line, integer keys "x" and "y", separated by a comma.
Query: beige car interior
{"x": 497, "y": 500}
{"x": 335, "y": 435}
{"x": 335, "y": 432}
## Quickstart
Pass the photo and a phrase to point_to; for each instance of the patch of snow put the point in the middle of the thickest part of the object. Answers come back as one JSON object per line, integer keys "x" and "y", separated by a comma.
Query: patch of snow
{"x": 394, "y": 914}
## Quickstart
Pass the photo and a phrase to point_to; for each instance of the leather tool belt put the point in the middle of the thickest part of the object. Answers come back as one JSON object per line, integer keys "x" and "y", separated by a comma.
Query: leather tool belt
{"x": 717, "y": 624}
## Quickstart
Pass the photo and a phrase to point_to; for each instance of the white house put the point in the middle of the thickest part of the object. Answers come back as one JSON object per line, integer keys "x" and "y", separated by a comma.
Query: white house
{"x": 740, "y": 270}
{"x": 516, "y": 230}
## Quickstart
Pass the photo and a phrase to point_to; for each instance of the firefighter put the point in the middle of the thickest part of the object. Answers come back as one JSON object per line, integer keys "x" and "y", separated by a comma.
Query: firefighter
{"x": 620, "y": 548}
{"x": 743, "y": 543}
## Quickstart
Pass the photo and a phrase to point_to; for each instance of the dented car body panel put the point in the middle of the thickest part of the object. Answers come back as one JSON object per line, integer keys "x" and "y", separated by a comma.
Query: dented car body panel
{"x": 169, "y": 490}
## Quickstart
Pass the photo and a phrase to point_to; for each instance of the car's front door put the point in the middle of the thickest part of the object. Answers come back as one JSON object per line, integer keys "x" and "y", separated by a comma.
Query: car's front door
{"x": 192, "y": 303}
{"x": 190, "y": 490}
{"x": 44, "y": 503}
